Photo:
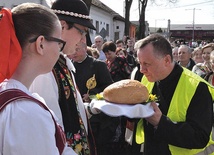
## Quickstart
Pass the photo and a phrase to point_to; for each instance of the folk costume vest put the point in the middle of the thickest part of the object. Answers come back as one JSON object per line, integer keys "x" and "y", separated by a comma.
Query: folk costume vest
{"x": 186, "y": 89}
{"x": 75, "y": 130}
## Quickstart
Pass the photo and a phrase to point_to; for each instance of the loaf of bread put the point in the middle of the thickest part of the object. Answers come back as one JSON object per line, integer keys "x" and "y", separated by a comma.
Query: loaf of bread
{"x": 126, "y": 92}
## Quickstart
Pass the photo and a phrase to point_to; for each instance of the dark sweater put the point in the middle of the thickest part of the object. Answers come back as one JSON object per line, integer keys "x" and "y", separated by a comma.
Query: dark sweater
{"x": 86, "y": 69}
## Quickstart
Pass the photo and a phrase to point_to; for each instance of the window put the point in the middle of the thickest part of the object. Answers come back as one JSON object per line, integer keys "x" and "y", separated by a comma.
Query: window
{"x": 90, "y": 30}
{"x": 107, "y": 29}
{"x": 97, "y": 27}
{"x": 186, "y": 32}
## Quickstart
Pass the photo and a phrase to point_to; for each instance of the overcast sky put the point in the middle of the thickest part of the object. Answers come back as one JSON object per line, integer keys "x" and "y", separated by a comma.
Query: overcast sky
{"x": 179, "y": 13}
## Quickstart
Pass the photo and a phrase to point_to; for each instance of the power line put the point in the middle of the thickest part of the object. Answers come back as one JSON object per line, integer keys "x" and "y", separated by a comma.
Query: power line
{"x": 183, "y": 5}
{"x": 194, "y": 4}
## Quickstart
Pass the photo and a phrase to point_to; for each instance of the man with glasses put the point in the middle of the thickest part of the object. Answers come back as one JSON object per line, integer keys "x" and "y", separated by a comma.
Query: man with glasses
{"x": 58, "y": 87}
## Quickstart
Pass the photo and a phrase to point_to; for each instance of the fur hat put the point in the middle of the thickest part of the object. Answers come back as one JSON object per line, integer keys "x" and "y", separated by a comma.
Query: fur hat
{"x": 74, "y": 11}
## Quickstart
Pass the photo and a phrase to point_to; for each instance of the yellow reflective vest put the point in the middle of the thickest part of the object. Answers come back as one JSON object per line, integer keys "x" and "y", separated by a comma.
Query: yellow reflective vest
{"x": 186, "y": 89}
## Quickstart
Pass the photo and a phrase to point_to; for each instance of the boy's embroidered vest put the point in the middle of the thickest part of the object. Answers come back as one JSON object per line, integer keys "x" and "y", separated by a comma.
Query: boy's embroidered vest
{"x": 75, "y": 130}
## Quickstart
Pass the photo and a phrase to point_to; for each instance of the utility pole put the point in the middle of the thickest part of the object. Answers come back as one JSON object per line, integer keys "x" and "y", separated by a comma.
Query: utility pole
{"x": 193, "y": 23}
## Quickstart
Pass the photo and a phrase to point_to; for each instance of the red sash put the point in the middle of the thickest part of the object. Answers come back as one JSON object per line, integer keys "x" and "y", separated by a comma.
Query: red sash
{"x": 11, "y": 95}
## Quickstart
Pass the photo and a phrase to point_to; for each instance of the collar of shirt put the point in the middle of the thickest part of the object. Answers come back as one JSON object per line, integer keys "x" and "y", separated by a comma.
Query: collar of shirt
{"x": 69, "y": 63}
{"x": 82, "y": 60}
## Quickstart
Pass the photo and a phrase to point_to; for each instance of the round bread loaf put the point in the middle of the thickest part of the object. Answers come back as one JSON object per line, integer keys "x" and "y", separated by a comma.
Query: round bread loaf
{"x": 126, "y": 92}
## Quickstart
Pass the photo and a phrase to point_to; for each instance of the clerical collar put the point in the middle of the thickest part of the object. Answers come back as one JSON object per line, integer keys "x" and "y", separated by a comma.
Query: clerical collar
{"x": 83, "y": 59}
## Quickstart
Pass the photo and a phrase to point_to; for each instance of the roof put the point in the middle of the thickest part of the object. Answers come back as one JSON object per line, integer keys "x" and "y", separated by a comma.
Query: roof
{"x": 104, "y": 7}
{"x": 190, "y": 27}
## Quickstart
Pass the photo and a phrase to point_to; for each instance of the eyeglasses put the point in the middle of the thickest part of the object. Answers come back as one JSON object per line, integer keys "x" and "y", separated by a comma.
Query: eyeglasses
{"x": 82, "y": 32}
{"x": 49, "y": 38}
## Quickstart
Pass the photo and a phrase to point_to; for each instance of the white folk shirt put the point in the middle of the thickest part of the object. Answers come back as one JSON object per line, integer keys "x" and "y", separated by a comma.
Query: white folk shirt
{"x": 46, "y": 86}
{"x": 25, "y": 127}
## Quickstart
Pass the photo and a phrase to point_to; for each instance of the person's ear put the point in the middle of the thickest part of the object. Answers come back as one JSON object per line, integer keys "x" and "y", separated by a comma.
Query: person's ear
{"x": 40, "y": 45}
{"x": 63, "y": 24}
{"x": 168, "y": 59}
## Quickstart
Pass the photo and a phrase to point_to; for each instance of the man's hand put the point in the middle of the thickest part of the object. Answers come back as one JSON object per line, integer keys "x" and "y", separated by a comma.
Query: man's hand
{"x": 155, "y": 118}
{"x": 86, "y": 98}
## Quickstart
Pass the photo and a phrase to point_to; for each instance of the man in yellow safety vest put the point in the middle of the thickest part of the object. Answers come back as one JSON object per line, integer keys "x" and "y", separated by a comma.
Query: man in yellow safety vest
{"x": 182, "y": 121}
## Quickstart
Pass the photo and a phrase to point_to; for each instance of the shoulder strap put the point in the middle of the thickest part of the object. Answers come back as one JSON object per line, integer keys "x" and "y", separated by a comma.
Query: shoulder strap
{"x": 10, "y": 95}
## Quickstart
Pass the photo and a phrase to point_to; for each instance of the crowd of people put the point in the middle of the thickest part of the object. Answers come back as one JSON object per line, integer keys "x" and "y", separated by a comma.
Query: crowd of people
{"x": 48, "y": 75}
{"x": 198, "y": 60}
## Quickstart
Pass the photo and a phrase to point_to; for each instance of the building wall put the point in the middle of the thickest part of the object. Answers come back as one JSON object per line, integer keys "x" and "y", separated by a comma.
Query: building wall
{"x": 101, "y": 20}
{"x": 119, "y": 28}
{"x": 186, "y": 32}
{"x": 188, "y": 35}
{"x": 104, "y": 18}
{"x": 106, "y": 26}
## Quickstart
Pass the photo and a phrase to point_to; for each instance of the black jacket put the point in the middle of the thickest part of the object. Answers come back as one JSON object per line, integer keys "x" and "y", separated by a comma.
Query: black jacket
{"x": 191, "y": 134}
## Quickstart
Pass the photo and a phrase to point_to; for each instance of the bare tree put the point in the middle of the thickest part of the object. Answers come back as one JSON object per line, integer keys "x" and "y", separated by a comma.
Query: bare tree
{"x": 161, "y": 2}
{"x": 142, "y": 4}
{"x": 128, "y": 4}
{"x": 142, "y": 7}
